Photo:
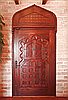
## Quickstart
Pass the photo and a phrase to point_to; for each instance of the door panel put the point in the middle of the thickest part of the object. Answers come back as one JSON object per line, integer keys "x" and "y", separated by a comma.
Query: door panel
{"x": 31, "y": 60}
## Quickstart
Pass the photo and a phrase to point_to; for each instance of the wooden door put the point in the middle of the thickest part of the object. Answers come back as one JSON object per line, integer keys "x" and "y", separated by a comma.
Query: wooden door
{"x": 33, "y": 55}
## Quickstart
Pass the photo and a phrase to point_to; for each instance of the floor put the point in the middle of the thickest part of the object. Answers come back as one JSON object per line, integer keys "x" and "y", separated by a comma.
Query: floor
{"x": 33, "y": 98}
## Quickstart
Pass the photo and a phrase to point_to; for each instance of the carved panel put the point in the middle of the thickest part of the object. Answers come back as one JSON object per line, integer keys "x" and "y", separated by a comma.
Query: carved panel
{"x": 33, "y": 61}
{"x": 34, "y": 18}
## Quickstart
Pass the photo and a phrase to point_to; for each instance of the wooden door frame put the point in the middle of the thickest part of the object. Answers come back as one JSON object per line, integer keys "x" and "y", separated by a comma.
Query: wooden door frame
{"x": 52, "y": 27}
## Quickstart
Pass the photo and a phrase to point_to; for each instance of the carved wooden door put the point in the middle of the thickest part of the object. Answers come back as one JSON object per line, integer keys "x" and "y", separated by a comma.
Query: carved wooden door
{"x": 33, "y": 56}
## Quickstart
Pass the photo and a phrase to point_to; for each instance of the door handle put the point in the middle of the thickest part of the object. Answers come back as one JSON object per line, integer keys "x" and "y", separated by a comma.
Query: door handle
{"x": 16, "y": 63}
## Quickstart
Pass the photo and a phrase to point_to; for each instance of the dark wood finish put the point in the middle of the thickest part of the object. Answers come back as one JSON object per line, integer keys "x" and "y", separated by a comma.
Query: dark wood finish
{"x": 34, "y": 55}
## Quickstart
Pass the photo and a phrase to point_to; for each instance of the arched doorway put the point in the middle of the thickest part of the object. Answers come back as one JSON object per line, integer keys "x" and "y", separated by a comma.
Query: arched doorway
{"x": 34, "y": 52}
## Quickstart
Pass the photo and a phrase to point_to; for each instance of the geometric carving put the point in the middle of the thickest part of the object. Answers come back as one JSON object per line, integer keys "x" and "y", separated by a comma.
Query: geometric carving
{"x": 34, "y": 46}
{"x": 37, "y": 17}
{"x": 33, "y": 61}
{"x": 33, "y": 18}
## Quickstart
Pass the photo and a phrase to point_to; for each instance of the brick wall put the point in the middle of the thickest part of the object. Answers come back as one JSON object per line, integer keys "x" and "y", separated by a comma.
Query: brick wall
{"x": 60, "y": 8}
